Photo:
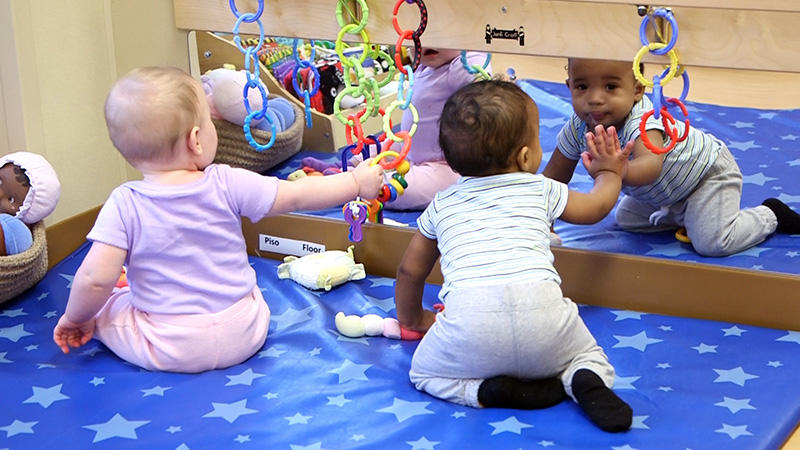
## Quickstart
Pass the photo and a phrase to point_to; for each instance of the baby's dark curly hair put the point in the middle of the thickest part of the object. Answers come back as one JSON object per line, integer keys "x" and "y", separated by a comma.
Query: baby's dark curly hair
{"x": 482, "y": 126}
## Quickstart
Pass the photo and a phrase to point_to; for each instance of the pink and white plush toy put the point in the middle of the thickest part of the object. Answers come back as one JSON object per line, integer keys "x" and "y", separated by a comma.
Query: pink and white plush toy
{"x": 224, "y": 90}
{"x": 373, "y": 325}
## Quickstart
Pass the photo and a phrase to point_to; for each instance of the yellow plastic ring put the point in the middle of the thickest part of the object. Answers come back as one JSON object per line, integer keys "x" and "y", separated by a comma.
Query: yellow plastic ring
{"x": 403, "y": 167}
{"x": 399, "y": 187}
{"x": 382, "y": 155}
{"x": 637, "y": 60}
{"x": 682, "y": 236}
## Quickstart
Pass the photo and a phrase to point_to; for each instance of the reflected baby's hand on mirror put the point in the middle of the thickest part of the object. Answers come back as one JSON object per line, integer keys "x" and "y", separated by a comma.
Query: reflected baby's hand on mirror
{"x": 604, "y": 152}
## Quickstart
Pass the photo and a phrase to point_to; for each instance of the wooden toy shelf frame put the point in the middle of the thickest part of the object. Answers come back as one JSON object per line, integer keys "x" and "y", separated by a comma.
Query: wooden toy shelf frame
{"x": 745, "y": 35}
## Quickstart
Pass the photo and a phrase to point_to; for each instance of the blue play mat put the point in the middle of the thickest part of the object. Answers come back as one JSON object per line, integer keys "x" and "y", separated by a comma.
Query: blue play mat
{"x": 692, "y": 384}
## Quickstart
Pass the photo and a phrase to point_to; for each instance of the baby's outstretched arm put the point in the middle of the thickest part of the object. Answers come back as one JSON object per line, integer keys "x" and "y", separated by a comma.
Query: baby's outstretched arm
{"x": 416, "y": 265}
{"x": 310, "y": 193}
{"x": 606, "y": 163}
{"x": 91, "y": 288}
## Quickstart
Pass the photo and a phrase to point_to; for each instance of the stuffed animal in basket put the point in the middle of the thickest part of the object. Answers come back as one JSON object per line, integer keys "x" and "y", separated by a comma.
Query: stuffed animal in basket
{"x": 29, "y": 192}
{"x": 224, "y": 90}
{"x": 322, "y": 270}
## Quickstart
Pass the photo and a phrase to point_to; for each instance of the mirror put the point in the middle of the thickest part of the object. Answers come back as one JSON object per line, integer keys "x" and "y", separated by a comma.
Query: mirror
{"x": 755, "y": 114}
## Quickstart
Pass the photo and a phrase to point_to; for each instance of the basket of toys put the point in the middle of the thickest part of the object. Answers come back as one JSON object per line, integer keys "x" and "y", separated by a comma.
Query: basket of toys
{"x": 19, "y": 272}
{"x": 234, "y": 149}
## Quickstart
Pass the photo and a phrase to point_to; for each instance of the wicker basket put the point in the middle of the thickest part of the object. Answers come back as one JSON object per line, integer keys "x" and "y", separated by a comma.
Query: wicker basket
{"x": 234, "y": 149}
{"x": 20, "y": 272}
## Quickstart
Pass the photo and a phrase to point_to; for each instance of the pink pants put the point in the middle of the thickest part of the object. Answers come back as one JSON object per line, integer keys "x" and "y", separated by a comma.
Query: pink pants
{"x": 424, "y": 181}
{"x": 187, "y": 343}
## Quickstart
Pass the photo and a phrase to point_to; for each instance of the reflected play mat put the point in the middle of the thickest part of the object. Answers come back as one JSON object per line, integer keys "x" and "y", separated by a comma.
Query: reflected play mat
{"x": 691, "y": 383}
{"x": 764, "y": 143}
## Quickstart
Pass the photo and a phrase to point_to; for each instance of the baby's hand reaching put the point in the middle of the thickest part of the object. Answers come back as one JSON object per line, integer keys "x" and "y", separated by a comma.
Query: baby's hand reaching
{"x": 369, "y": 179}
{"x": 70, "y": 334}
{"x": 604, "y": 153}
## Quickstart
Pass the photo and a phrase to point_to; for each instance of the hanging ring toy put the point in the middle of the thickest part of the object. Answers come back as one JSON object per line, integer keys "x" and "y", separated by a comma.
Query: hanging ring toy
{"x": 665, "y": 14}
{"x": 476, "y": 69}
{"x": 637, "y": 61}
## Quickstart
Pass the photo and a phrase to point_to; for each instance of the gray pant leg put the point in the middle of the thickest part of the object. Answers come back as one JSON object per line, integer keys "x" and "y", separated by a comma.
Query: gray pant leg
{"x": 633, "y": 215}
{"x": 525, "y": 331}
{"x": 713, "y": 218}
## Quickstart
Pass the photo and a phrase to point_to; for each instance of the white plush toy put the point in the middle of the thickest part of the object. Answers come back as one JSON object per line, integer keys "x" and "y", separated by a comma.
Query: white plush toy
{"x": 367, "y": 325}
{"x": 322, "y": 270}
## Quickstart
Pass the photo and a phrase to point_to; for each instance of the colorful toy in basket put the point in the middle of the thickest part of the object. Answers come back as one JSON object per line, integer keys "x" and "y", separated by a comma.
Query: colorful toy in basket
{"x": 322, "y": 270}
{"x": 29, "y": 192}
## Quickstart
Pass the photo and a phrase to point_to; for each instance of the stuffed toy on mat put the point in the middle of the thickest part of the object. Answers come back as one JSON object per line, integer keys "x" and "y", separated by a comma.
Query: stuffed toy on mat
{"x": 322, "y": 270}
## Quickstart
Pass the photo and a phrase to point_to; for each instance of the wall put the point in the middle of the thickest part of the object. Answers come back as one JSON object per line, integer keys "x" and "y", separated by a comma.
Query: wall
{"x": 57, "y": 62}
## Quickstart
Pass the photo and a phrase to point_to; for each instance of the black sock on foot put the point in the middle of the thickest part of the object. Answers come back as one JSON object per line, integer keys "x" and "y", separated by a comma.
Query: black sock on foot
{"x": 600, "y": 403}
{"x": 788, "y": 220}
{"x": 506, "y": 392}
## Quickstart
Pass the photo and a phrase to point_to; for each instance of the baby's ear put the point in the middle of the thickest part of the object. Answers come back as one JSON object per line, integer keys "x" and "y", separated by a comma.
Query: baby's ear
{"x": 193, "y": 140}
{"x": 639, "y": 90}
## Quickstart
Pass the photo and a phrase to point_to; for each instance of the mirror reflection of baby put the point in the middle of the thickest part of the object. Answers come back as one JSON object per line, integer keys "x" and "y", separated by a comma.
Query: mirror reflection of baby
{"x": 29, "y": 192}
{"x": 438, "y": 76}
{"x": 696, "y": 185}
{"x": 192, "y": 302}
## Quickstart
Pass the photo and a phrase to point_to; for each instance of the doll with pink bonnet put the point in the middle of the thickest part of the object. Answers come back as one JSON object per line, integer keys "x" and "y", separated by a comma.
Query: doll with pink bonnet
{"x": 29, "y": 192}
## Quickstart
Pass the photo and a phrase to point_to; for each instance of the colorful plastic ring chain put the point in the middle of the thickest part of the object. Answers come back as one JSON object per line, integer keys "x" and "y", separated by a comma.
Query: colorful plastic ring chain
{"x": 662, "y": 13}
{"x": 637, "y": 60}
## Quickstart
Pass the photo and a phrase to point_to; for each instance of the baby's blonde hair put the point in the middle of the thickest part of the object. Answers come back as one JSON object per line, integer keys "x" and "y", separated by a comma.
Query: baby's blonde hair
{"x": 150, "y": 109}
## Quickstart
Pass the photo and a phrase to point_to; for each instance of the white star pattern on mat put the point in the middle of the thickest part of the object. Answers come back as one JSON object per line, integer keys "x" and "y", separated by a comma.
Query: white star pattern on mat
{"x": 758, "y": 179}
{"x": 743, "y": 146}
{"x": 158, "y": 390}
{"x": 338, "y": 400}
{"x": 735, "y": 376}
{"x": 351, "y": 371}
{"x": 422, "y": 444}
{"x": 622, "y": 315}
{"x": 625, "y": 382}
{"x": 46, "y": 396}
{"x": 245, "y": 378}
{"x": 13, "y": 313}
{"x": 117, "y": 426}
{"x": 735, "y": 405}
{"x": 297, "y": 418}
{"x": 18, "y": 427}
{"x": 271, "y": 352}
{"x": 291, "y": 317}
{"x": 510, "y": 425}
{"x": 704, "y": 348}
{"x": 638, "y": 341}
{"x": 386, "y": 304}
{"x": 734, "y": 331}
{"x": 381, "y": 281}
{"x": 673, "y": 249}
{"x": 638, "y": 423}
{"x": 14, "y": 333}
{"x": 230, "y": 411}
{"x": 734, "y": 431}
{"x": 404, "y": 410}
{"x": 791, "y": 336}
